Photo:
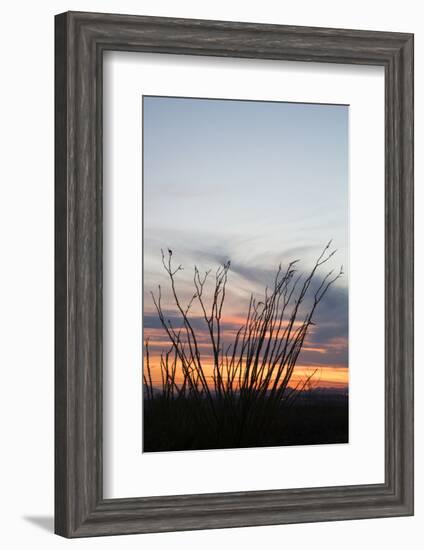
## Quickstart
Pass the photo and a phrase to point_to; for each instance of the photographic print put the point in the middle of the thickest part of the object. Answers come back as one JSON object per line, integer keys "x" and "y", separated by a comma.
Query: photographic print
{"x": 245, "y": 274}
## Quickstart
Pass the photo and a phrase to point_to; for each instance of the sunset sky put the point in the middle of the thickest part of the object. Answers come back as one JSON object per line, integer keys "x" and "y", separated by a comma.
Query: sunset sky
{"x": 257, "y": 183}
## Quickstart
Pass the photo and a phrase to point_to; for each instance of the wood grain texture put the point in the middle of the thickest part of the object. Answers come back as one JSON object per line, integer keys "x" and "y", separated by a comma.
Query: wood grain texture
{"x": 80, "y": 509}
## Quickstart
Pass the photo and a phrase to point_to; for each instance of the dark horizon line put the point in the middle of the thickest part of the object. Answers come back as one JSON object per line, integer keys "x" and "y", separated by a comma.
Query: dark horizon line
{"x": 325, "y": 389}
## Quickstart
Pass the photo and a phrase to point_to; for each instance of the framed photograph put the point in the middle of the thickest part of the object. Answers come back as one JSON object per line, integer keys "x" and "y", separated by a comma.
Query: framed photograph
{"x": 234, "y": 274}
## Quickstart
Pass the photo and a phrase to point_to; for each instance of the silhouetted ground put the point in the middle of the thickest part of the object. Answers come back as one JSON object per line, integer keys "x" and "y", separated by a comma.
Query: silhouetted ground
{"x": 316, "y": 417}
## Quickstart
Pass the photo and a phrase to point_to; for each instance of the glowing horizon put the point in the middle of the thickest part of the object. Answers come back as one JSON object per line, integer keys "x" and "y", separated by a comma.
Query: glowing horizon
{"x": 333, "y": 377}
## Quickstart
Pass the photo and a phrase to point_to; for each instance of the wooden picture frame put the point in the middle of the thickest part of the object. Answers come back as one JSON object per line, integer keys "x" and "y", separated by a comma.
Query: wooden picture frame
{"x": 81, "y": 39}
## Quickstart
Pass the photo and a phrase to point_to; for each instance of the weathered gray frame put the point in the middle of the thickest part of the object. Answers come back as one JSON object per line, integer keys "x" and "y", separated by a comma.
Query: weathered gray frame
{"x": 81, "y": 39}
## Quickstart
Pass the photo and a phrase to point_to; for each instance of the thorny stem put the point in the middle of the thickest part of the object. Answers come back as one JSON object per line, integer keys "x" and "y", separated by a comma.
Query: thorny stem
{"x": 252, "y": 372}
